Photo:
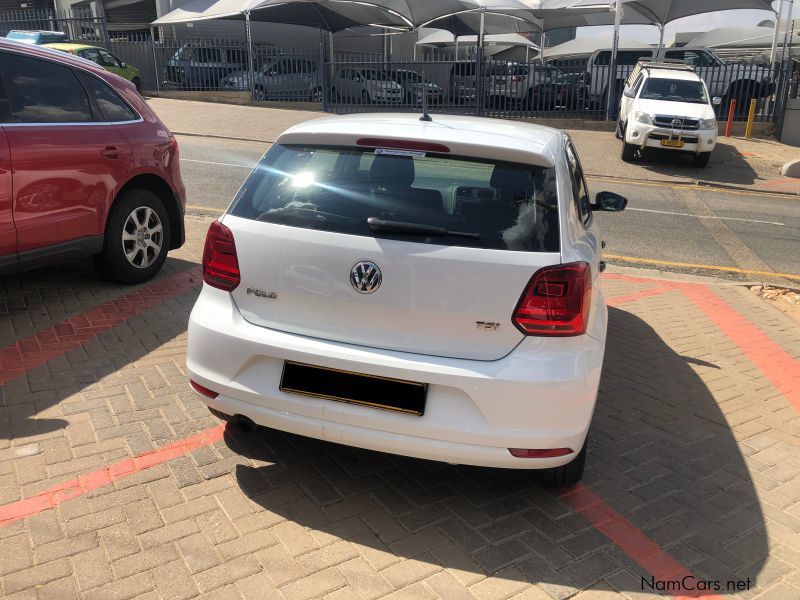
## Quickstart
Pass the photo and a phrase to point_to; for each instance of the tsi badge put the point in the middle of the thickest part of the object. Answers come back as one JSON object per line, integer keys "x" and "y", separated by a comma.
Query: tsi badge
{"x": 262, "y": 294}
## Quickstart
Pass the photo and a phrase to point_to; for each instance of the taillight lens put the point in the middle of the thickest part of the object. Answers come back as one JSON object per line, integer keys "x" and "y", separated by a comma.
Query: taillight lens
{"x": 540, "y": 453}
{"x": 220, "y": 265}
{"x": 201, "y": 389}
{"x": 556, "y": 301}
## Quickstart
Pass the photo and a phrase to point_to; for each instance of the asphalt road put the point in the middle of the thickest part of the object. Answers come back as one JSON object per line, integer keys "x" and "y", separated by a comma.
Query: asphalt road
{"x": 665, "y": 223}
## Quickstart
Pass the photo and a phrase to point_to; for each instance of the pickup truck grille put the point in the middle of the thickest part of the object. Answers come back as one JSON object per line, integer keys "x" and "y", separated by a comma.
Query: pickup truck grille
{"x": 667, "y": 121}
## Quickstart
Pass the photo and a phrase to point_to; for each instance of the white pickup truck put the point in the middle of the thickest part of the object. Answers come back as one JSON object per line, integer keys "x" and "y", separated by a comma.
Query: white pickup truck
{"x": 667, "y": 105}
{"x": 728, "y": 81}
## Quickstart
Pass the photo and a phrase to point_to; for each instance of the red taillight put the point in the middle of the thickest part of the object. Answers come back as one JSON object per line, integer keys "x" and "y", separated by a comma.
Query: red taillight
{"x": 220, "y": 265}
{"x": 203, "y": 390}
{"x": 543, "y": 453}
{"x": 556, "y": 301}
{"x": 403, "y": 145}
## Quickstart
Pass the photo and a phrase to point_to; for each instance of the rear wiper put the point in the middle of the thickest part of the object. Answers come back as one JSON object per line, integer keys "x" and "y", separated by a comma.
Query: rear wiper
{"x": 377, "y": 225}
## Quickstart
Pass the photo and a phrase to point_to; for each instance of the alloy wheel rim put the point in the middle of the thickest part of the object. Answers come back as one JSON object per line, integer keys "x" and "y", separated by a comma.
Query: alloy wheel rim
{"x": 142, "y": 237}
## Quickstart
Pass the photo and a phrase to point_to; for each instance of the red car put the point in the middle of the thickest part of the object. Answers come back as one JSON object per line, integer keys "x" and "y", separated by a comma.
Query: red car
{"x": 86, "y": 168}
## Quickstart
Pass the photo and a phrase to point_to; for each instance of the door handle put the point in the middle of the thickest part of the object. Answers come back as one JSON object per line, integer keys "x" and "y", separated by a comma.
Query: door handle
{"x": 110, "y": 152}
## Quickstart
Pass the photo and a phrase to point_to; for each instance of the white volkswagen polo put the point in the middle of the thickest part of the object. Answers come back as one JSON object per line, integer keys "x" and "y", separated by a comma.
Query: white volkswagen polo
{"x": 425, "y": 288}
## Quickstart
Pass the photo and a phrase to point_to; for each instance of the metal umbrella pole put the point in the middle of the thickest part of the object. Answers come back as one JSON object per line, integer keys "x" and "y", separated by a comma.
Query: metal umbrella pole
{"x": 776, "y": 34}
{"x": 250, "y": 69}
{"x": 479, "y": 83}
{"x": 788, "y": 31}
{"x": 155, "y": 60}
{"x": 612, "y": 67}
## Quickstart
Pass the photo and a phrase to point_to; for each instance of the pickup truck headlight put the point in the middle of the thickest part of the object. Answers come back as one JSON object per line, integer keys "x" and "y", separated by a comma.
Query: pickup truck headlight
{"x": 643, "y": 117}
{"x": 708, "y": 124}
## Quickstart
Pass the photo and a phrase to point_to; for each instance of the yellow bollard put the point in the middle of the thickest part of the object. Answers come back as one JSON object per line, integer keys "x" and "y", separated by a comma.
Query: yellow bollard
{"x": 751, "y": 116}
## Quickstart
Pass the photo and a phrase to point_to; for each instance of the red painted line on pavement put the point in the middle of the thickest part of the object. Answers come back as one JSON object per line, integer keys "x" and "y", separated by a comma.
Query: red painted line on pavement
{"x": 647, "y": 553}
{"x": 646, "y": 293}
{"x": 777, "y": 365}
{"x": 88, "y": 482}
{"x": 780, "y": 367}
{"x": 776, "y": 182}
{"x": 46, "y": 344}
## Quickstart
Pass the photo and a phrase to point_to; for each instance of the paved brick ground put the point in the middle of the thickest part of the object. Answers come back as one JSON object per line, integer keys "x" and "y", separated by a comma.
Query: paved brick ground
{"x": 115, "y": 482}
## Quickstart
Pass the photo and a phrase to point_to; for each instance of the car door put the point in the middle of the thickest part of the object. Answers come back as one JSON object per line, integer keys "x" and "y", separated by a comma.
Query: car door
{"x": 8, "y": 233}
{"x": 628, "y": 96}
{"x": 584, "y": 231}
{"x": 280, "y": 79}
{"x": 67, "y": 164}
{"x": 346, "y": 83}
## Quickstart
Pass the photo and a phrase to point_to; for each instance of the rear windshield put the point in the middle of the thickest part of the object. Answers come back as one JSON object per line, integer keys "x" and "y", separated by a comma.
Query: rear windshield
{"x": 471, "y": 202}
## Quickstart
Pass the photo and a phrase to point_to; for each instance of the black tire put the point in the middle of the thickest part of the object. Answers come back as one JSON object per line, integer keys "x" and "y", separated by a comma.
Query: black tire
{"x": 570, "y": 473}
{"x": 619, "y": 130}
{"x": 259, "y": 94}
{"x": 113, "y": 263}
{"x": 365, "y": 99}
{"x": 316, "y": 95}
{"x": 628, "y": 153}
{"x": 138, "y": 83}
{"x": 701, "y": 160}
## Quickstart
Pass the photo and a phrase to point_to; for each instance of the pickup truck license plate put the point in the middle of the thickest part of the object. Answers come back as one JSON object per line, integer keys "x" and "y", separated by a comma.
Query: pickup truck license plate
{"x": 672, "y": 143}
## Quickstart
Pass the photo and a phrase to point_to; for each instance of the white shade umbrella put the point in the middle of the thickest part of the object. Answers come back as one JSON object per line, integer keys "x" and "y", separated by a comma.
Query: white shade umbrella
{"x": 330, "y": 16}
{"x": 740, "y": 37}
{"x": 442, "y": 38}
{"x": 584, "y": 46}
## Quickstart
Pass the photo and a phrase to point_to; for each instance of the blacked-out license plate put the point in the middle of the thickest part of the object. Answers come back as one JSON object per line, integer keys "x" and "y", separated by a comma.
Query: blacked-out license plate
{"x": 355, "y": 388}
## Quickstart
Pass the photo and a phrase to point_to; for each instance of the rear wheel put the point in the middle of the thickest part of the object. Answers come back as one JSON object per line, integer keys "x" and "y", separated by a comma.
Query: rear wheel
{"x": 316, "y": 95}
{"x": 365, "y": 99}
{"x": 136, "y": 239}
{"x": 570, "y": 473}
{"x": 701, "y": 160}
{"x": 259, "y": 94}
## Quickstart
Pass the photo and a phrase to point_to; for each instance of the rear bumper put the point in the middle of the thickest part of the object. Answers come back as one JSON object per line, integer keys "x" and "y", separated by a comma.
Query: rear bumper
{"x": 542, "y": 395}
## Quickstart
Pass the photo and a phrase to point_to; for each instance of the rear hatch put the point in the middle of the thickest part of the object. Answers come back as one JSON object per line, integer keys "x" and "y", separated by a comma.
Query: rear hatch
{"x": 392, "y": 249}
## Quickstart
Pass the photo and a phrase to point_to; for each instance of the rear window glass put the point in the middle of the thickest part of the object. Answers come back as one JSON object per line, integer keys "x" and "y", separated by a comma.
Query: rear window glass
{"x": 471, "y": 202}
{"x": 112, "y": 107}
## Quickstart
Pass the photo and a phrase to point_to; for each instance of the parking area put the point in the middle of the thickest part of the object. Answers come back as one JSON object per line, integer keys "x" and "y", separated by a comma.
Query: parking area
{"x": 116, "y": 482}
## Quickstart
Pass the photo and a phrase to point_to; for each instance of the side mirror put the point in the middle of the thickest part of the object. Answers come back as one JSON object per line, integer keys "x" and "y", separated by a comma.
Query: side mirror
{"x": 716, "y": 101}
{"x": 628, "y": 92}
{"x": 609, "y": 202}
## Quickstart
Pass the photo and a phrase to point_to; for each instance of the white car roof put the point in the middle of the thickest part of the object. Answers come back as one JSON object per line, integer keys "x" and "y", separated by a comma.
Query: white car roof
{"x": 494, "y": 139}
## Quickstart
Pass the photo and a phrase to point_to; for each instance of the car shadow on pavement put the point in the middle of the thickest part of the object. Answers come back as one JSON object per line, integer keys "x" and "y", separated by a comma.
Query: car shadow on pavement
{"x": 661, "y": 455}
{"x": 37, "y": 300}
{"x": 727, "y": 166}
